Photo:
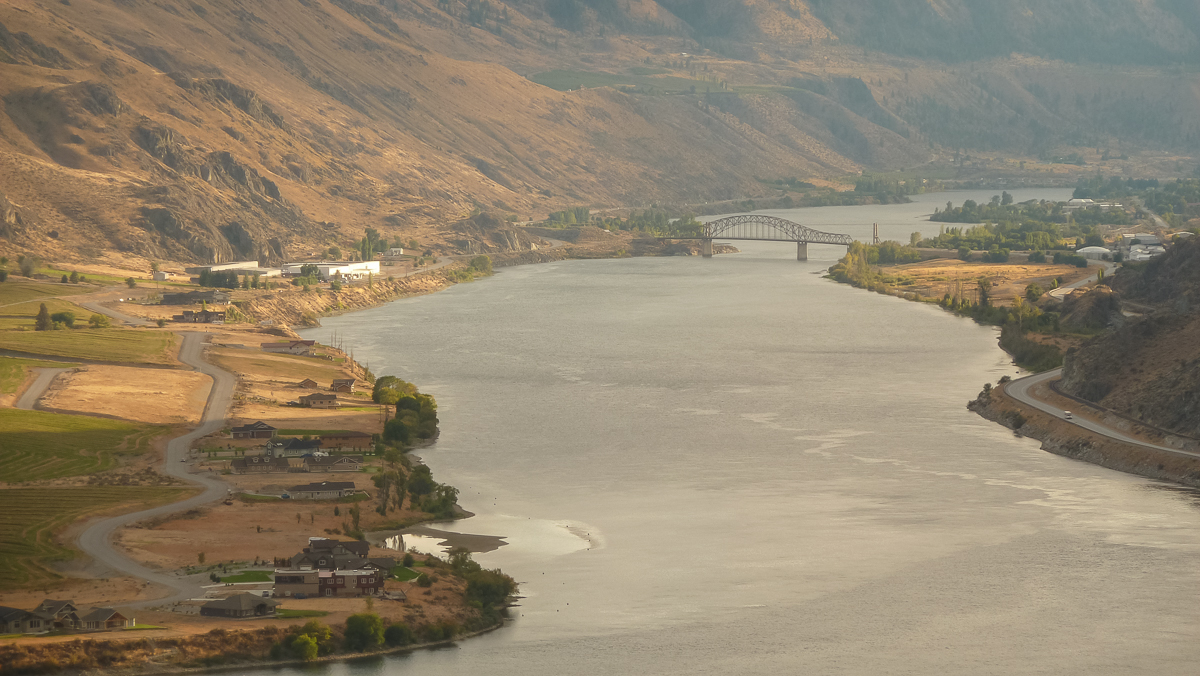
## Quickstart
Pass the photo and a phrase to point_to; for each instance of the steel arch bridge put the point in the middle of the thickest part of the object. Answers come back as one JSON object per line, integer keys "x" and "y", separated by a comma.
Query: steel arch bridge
{"x": 768, "y": 229}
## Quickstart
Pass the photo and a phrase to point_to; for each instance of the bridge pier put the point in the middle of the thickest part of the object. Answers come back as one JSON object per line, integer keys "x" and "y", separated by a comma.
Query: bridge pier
{"x": 706, "y": 249}
{"x": 801, "y": 251}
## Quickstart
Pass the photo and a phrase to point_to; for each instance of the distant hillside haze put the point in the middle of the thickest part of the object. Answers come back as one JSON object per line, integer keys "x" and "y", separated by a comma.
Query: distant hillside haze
{"x": 204, "y": 130}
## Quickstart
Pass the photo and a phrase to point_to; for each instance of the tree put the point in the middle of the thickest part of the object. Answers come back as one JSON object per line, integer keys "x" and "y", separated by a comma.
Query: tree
{"x": 153, "y": 266}
{"x": 161, "y": 322}
{"x": 363, "y": 632}
{"x": 65, "y": 279}
{"x": 334, "y": 253}
{"x": 66, "y": 318}
{"x": 397, "y": 635}
{"x": 131, "y": 282}
{"x": 305, "y": 647}
{"x": 99, "y": 321}
{"x": 3, "y": 275}
{"x": 914, "y": 239}
{"x": 964, "y": 253}
{"x": 27, "y": 264}
{"x": 43, "y": 321}
{"x": 1034, "y": 291}
{"x": 74, "y": 278}
{"x": 985, "y": 289}
{"x": 1006, "y": 199}
{"x": 310, "y": 270}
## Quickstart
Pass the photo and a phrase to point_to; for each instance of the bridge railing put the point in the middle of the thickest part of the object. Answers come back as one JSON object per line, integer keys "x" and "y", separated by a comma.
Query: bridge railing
{"x": 770, "y": 228}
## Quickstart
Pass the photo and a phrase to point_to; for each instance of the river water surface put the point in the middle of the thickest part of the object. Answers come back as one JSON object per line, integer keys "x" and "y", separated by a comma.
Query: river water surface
{"x": 734, "y": 466}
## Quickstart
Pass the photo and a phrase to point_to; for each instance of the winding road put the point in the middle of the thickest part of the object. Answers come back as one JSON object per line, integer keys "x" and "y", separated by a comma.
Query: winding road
{"x": 96, "y": 541}
{"x": 1020, "y": 390}
{"x": 37, "y": 388}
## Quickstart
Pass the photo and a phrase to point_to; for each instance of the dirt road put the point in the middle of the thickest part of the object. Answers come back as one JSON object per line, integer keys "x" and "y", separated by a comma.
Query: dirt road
{"x": 96, "y": 541}
{"x": 37, "y": 388}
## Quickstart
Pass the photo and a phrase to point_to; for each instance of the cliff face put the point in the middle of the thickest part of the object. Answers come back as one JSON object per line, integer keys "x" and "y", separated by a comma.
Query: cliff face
{"x": 1148, "y": 368}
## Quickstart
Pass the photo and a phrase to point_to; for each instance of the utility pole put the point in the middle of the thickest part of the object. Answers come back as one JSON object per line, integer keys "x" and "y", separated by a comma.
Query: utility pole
{"x": 876, "y": 236}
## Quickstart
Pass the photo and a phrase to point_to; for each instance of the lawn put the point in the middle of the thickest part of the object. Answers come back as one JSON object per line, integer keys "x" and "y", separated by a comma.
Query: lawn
{"x": 404, "y": 574}
{"x": 30, "y": 518}
{"x": 134, "y": 346}
{"x": 289, "y": 613}
{"x": 12, "y": 371}
{"x": 248, "y": 576}
{"x": 24, "y": 315}
{"x": 18, "y": 292}
{"x": 37, "y": 445}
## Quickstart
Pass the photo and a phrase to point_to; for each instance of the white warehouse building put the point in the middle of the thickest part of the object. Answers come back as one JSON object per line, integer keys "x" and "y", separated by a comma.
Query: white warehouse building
{"x": 1095, "y": 253}
{"x": 338, "y": 270}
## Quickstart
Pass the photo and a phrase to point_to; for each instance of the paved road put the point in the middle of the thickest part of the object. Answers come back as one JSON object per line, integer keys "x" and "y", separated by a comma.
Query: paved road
{"x": 37, "y": 388}
{"x": 95, "y": 306}
{"x": 1021, "y": 390}
{"x": 96, "y": 541}
{"x": 1062, "y": 290}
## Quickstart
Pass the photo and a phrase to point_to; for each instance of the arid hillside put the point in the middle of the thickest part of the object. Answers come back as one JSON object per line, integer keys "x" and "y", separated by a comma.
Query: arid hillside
{"x": 213, "y": 130}
{"x": 1149, "y": 367}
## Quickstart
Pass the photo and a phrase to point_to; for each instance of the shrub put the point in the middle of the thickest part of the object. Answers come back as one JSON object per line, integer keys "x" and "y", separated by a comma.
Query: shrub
{"x": 424, "y": 581}
{"x": 1037, "y": 257}
{"x": 305, "y": 647}
{"x": 964, "y": 253}
{"x": 408, "y": 561}
{"x": 74, "y": 278}
{"x": 99, "y": 321}
{"x": 364, "y": 632}
{"x": 161, "y": 322}
{"x": 27, "y": 264}
{"x": 3, "y": 275}
{"x": 65, "y": 318}
{"x": 398, "y": 634}
{"x": 131, "y": 282}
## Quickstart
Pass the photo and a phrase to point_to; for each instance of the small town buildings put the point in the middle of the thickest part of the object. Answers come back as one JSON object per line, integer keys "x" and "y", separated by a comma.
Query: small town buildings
{"x": 201, "y": 317}
{"x": 319, "y": 400}
{"x": 343, "y": 385}
{"x": 240, "y": 606}
{"x": 292, "y": 447}
{"x": 333, "y": 463}
{"x": 347, "y": 441}
{"x": 195, "y": 298}
{"x": 304, "y": 348}
{"x": 344, "y": 270}
{"x": 308, "y": 384}
{"x": 258, "y": 430}
{"x": 324, "y": 490}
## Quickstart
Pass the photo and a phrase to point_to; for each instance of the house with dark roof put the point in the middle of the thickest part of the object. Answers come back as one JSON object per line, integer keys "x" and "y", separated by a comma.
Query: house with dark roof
{"x": 333, "y": 463}
{"x": 343, "y": 385}
{"x": 240, "y": 606}
{"x": 101, "y": 619}
{"x": 308, "y": 384}
{"x": 319, "y": 400}
{"x": 17, "y": 621}
{"x": 258, "y": 430}
{"x": 300, "y": 347}
{"x": 324, "y": 490}
{"x": 58, "y": 614}
{"x": 359, "y": 547}
{"x": 292, "y": 447}
{"x": 200, "y": 317}
{"x": 356, "y": 441}
{"x": 264, "y": 464}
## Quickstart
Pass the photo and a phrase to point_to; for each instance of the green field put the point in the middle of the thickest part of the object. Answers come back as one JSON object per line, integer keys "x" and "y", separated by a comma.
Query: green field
{"x": 37, "y": 445}
{"x": 23, "y": 316}
{"x": 12, "y": 371}
{"x": 30, "y": 518}
{"x": 248, "y": 576}
{"x": 118, "y": 345}
{"x": 404, "y": 574}
{"x": 288, "y": 613}
{"x": 19, "y": 292}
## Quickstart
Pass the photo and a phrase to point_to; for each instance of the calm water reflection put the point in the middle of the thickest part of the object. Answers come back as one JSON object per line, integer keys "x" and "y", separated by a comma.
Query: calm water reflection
{"x": 734, "y": 466}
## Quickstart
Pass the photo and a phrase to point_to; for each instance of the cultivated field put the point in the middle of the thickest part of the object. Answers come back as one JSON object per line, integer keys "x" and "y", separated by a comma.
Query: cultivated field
{"x": 18, "y": 292}
{"x": 24, "y": 315}
{"x": 157, "y": 396}
{"x": 37, "y": 446}
{"x": 12, "y": 371}
{"x": 30, "y": 518}
{"x": 117, "y": 345}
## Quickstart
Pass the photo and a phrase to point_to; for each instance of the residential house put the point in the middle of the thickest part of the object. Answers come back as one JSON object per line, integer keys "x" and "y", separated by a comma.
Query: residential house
{"x": 292, "y": 447}
{"x": 324, "y": 490}
{"x": 308, "y": 384}
{"x": 201, "y": 317}
{"x": 258, "y": 430}
{"x": 316, "y": 582}
{"x": 319, "y": 400}
{"x": 240, "y": 605}
{"x": 359, "y": 547}
{"x": 304, "y": 348}
{"x": 17, "y": 621}
{"x": 263, "y": 464}
{"x": 333, "y": 463}
{"x": 352, "y": 441}
{"x": 58, "y": 614}
{"x": 343, "y": 385}
{"x": 101, "y": 619}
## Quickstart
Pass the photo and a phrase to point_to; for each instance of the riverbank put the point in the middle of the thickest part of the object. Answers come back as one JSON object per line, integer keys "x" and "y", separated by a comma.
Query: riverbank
{"x": 1068, "y": 440}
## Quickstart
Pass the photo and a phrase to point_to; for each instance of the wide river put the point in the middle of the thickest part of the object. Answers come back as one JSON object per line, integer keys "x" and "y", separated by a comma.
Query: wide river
{"x": 734, "y": 466}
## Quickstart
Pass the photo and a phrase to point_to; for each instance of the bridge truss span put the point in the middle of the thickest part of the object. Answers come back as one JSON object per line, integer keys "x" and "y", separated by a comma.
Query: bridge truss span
{"x": 768, "y": 229}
